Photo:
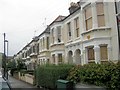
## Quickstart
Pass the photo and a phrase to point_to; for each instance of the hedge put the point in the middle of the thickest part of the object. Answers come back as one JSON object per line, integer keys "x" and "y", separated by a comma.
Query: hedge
{"x": 106, "y": 75}
{"x": 47, "y": 75}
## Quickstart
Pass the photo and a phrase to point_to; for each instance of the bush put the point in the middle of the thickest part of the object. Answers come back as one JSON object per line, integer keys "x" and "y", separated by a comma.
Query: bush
{"x": 107, "y": 74}
{"x": 47, "y": 75}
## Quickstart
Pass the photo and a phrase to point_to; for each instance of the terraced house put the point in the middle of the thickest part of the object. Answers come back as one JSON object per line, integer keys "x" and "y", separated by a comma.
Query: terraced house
{"x": 43, "y": 42}
{"x": 89, "y": 34}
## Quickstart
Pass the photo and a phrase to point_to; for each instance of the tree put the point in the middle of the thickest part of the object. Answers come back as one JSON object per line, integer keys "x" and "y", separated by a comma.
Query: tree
{"x": 20, "y": 65}
{"x": 11, "y": 66}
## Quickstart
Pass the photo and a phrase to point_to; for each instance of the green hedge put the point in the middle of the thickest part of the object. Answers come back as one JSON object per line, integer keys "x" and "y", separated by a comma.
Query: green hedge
{"x": 107, "y": 74}
{"x": 46, "y": 76}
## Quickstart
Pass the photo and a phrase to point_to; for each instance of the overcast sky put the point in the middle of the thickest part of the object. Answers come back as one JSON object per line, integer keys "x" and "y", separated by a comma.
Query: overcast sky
{"x": 19, "y": 19}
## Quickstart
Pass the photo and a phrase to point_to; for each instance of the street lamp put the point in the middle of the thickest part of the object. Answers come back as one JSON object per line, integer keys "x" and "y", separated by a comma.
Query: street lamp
{"x": 5, "y": 68}
{"x": 7, "y": 46}
{"x": 7, "y": 59}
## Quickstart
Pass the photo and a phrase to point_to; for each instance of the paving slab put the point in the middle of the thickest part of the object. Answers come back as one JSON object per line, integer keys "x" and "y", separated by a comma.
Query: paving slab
{"x": 81, "y": 86}
{"x": 20, "y": 85}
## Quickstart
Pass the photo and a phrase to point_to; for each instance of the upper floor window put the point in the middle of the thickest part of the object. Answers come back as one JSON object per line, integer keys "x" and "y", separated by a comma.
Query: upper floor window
{"x": 100, "y": 14}
{"x": 26, "y": 54}
{"x": 52, "y": 36}
{"x": 43, "y": 43}
{"x": 40, "y": 45}
{"x": 30, "y": 50}
{"x": 88, "y": 17}
{"x": 33, "y": 49}
{"x": 76, "y": 22}
{"x": 47, "y": 42}
{"x": 69, "y": 31}
{"x": 22, "y": 55}
{"x": 59, "y": 33}
{"x": 38, "y": 48}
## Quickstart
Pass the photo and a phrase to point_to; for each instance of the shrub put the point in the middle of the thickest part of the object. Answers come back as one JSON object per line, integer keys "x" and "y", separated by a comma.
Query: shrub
{"x": 47, "y": 75}
{"x": 106, "y": 74}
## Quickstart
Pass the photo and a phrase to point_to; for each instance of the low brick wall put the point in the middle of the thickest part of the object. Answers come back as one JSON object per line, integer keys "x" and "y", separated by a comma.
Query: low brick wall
{"x": 16, "y": 75}
{"x": 29, "y": 78}
{"x": 24, "y": 77}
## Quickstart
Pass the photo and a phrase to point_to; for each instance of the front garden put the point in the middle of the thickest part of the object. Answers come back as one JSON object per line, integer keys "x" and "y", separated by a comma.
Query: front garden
{"x": 106, "y": 75}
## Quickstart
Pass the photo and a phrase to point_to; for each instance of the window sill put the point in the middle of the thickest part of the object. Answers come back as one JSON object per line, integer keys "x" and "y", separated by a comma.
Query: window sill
{"x": 78, "y": 38}
{"x": 33, "y": 54}
{"x": 44, "y": 50}
{"x": 60, "y": 43}
{"x": 95, "y": 29}
{"x": 91, "y": 61}
{"x": 69, "y": 41}
{"x": 105, "y": 60}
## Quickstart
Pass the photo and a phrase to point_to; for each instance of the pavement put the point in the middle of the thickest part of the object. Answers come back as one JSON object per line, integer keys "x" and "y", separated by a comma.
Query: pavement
{"x": 21, "y": 85}
{"x": 81, "y": 86}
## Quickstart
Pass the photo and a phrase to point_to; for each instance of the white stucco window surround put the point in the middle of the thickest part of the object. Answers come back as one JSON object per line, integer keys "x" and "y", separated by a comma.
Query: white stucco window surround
{"x": 97, "y": 53}
{"x": 95, "y": 29}
{"x": 109, "y": 48}
{"x": 85, "y": 56}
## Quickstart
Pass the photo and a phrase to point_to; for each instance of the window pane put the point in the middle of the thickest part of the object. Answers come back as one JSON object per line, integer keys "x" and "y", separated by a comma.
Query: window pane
{"x": 101, "y": 20}
{"x": 100, "y": 9}
{"x": 89, "y": 24}
{"x": 59, "y": 33}
{"x": 91, "y": 54}
{"x": 76, "y": 21}
{"x": 59, "y": 58}
{"x": 103, "y": 52}
{"x": 47, "y": 42}
{"x": 69, "y": 31}
{"x": 59, "y": 29}
{"x": 43, "y": 43}
{"x": 53, "y": 57}
{"x": 88, "y": 12}
{"x": 77, "y": 32}
{"x": 52, "y": 35}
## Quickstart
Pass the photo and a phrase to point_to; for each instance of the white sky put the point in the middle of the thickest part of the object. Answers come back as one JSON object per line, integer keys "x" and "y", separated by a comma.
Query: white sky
{"x": 20, "y": 18}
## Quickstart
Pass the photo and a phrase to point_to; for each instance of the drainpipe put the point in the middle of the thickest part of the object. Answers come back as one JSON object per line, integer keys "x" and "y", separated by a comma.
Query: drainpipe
{"x": 118, "y": 23}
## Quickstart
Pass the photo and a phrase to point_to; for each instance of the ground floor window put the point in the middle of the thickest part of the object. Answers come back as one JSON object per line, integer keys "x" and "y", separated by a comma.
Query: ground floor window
{"x": 91, "y": 55}
{"x": 53, "y": 57}
{"x": 48, "y": 61}
{"x": 59, "y": 58}
{"x": 103, "y": 52}
{"x": 43, "y": 61}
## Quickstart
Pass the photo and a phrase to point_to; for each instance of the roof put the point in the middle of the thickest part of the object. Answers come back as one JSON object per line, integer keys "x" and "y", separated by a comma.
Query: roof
{"x": 47, "y": 30}
{"x": 58, "y": 19}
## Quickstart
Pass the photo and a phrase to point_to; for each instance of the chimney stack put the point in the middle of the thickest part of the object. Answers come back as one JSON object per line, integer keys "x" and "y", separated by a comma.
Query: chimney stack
{"x": 73, "y": 7}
